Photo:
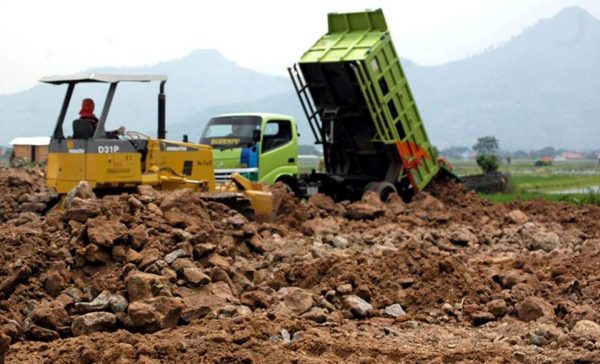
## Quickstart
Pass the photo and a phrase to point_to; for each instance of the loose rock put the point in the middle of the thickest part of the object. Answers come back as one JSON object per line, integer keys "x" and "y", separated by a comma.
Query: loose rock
{"x": 587, "y": 330}
{"x": 104, "y": 232}
{"x": 295, "y": 302}
{"x": 145, "y": 285}
{"x": 93, "y": 322}
{"x": 359, "y": 307}
{"x": 195, "y": 276}
{"x": 154, "y": 314}
{"x": 533, "y": 308}
{"x": 518, "y": 217}
{"x": 546, "y": 241}
{"x": 394, "y": 310}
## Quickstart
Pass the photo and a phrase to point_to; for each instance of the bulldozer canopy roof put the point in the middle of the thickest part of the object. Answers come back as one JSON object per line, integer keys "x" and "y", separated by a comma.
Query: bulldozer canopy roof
{"x": 101, "y": 77}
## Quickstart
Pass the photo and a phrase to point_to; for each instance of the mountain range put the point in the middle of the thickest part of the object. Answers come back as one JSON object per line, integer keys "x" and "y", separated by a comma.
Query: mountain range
{"x": 537, "y": 89}
{"x": 196, "y": 82}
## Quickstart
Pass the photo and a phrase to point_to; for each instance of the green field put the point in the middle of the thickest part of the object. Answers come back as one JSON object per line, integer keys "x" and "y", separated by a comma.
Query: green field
{"x": 526, "y": 167}
{"x": 570, "y": 181}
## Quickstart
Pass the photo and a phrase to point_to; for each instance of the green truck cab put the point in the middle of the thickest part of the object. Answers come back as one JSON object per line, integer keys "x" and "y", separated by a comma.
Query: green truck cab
{"x": 262, "y": 147}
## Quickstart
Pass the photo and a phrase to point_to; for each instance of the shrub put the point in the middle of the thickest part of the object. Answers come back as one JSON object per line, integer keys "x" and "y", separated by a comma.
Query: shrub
{"x": 488, "y": 163}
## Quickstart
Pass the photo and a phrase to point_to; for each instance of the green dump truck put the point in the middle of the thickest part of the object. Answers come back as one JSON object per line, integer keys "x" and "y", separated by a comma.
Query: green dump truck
{"x": 262, "y": 147}
{"x": 360, "y": 108}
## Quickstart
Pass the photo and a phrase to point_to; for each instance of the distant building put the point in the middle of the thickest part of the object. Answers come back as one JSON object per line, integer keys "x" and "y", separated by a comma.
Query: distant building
{"x": 33, "y": 149}
{"x": 571, "y": 156}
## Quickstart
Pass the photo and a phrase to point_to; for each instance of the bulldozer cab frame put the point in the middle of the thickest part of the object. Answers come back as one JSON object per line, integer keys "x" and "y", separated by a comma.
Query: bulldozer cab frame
{"x": 108, "y": 162}
{"x": 113, "y": 81}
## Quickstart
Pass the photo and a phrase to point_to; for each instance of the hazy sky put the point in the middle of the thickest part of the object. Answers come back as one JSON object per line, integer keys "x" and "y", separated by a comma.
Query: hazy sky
{"x": 42, "y": 37}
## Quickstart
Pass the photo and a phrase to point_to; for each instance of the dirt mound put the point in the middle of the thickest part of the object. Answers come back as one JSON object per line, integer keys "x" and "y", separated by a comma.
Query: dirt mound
{"x": 23, "y": 190}
{"x": 167, "y": 277}
{"x": 585, "y": 218}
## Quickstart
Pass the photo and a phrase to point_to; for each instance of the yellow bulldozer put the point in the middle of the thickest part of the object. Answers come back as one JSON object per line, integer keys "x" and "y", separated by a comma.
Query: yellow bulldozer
{"x": 119, "y": 160}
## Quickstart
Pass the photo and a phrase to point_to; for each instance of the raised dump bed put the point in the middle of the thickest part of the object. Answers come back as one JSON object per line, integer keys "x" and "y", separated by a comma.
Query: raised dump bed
{"x": 360, "y": 107}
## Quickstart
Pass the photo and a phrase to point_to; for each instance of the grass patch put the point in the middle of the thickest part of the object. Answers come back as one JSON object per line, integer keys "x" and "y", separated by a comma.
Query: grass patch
{"x": 554, "y": 182}
{"x": 590, "y": 198}
{"x": 529, "y": 182}
{"x": 526, "y": 167}
{"x": 520, "y": 196}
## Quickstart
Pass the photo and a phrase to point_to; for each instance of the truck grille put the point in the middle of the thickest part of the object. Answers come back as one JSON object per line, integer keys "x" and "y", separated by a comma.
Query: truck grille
{"x": 222, "y": 175}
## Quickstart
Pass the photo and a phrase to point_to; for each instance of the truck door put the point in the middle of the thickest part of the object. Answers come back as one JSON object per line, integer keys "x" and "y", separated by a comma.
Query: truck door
{"x": 278, "y": 150}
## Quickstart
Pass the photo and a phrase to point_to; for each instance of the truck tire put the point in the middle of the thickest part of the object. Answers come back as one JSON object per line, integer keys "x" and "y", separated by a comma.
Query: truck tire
{"x": 383, "y": 189}
{"x": 290, "y": 183}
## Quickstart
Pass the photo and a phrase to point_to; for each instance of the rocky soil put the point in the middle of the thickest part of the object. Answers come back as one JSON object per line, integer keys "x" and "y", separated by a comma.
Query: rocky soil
{"x": 154, "y": 277}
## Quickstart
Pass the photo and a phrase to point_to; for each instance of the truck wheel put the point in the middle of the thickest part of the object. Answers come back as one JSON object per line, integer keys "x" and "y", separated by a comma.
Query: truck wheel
{"x": 290, "y": 184}
{"x": 383, "y": 189}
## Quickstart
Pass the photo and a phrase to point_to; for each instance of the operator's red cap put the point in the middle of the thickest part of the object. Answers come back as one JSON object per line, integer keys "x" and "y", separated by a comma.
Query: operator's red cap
{"x": 87, "y": 108}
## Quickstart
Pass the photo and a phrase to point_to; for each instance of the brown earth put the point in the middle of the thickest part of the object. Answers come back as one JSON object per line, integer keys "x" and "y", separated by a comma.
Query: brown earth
{"x": 156, "y": 277}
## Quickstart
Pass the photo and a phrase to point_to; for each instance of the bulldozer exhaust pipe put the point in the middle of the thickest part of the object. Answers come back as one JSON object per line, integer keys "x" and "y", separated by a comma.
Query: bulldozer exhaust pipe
{"x": 162, "y": 132}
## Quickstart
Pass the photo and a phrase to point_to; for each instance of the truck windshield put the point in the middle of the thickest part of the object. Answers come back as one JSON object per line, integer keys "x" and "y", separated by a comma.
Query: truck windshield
{"x": 230, "y": 131}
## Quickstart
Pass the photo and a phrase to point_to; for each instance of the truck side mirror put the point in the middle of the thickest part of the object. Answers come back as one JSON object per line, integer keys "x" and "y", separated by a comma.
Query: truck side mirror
{"x": 256, "y": 136}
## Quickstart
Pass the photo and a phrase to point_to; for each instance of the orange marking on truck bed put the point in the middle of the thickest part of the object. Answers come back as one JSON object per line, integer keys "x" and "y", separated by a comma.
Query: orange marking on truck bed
{"x": 412, "y": 154}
